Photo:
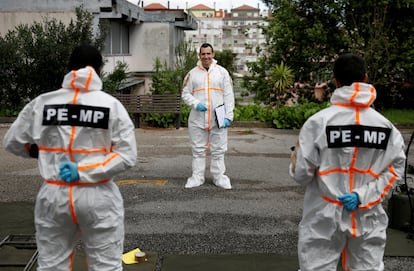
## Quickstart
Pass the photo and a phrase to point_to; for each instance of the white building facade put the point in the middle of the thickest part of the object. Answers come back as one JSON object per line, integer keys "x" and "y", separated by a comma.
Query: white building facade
{"x": 238, "y": 31}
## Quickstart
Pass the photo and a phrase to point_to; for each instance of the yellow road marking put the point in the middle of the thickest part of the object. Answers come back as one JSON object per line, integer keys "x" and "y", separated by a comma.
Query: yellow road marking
{"x": 155, "y": 182}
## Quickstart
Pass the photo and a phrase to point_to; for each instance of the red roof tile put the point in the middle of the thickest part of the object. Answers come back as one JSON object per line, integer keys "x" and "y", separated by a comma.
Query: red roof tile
{"x": 245, "y": 7}
{"x": 154, "y": 6}
{"x": 200, "y": 6}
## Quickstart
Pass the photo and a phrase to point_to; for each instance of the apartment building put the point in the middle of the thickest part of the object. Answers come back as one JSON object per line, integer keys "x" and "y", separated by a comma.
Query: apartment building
{"x": 237, "y": 30}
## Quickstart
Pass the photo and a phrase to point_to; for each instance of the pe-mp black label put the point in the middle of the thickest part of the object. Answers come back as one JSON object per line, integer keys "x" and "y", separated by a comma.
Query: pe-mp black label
{"x": 76, "y": 115}
{"x": 357, "y": 136}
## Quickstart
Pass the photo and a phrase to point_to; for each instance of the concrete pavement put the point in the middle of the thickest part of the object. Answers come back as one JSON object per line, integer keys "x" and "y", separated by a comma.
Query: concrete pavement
{"x": 260, "y": 214}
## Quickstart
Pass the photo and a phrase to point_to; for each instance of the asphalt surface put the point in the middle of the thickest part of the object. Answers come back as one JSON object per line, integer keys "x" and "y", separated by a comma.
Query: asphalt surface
{"x": 259, "y": 215}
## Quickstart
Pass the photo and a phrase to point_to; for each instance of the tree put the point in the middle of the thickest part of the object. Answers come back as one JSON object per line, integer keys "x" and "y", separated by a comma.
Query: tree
{"x": 34, "y": 57}
{"x": 302, "y": 34}
{"x": 185, "y": 58}
{"x": 308, "y": 35}
{"x": 380, "y": 31}
{"x": 114, "y": 80}
{"x": 226, "y": 59}
{"x": 166, "y": 79}
{"x": 281, "y": 77}
{"x": 305, "y": 35}
{"x": 386, "y": 42}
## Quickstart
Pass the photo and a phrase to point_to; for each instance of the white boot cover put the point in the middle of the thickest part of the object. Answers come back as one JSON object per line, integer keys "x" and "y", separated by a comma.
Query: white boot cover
{"x": 217, "y": 169}
{"x": 197, "y": 178}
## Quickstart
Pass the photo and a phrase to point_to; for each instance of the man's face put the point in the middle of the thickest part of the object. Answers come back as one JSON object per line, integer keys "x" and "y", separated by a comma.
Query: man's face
{"x": 206, "y": 56}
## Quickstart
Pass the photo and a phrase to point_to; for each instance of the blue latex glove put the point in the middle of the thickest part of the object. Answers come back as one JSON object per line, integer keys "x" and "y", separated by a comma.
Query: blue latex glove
{"x": 227, "y": 123}
{"x": 68, "y": 171}
{"x": 201, "y": 107}
{"x": 350, "y": 201}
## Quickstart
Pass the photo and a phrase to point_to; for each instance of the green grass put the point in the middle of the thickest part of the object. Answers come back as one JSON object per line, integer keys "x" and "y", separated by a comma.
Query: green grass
{"x": 399, "y": 116}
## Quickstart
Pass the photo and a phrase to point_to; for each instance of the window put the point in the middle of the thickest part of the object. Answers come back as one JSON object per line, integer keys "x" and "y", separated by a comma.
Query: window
{"x": 117, "y": 40}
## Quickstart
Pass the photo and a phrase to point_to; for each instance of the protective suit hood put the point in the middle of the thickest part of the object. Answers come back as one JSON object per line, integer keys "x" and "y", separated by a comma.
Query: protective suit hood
{"x": 85, "y": 79}
{"x": 359, "y": 94}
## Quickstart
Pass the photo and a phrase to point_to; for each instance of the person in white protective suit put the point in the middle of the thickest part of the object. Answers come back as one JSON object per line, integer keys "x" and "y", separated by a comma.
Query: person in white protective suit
{"x": 207, "y": 87}
{"x": 348, "y": 157}
{"x": 84, "y": 137}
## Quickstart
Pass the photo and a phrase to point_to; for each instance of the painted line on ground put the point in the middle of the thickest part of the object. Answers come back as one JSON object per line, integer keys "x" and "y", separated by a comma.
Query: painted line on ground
{"x": 155, "y": 182}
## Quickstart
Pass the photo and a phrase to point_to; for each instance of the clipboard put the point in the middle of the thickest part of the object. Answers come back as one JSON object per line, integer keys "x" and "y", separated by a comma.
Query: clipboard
{"x": 220, "y": 112}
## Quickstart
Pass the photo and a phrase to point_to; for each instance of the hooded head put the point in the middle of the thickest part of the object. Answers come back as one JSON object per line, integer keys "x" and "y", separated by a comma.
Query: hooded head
{"x": 348, "y": 69}
{"x": 85, "y": 55}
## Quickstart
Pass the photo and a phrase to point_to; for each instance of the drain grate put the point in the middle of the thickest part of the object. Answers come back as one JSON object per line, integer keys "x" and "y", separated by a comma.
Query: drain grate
{"x": 18, "y": 251}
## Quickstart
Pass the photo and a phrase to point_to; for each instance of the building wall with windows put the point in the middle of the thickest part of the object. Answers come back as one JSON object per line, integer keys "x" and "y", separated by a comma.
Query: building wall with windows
{"x": 136, "y": 37}
{"x": 242, "y": 33}
{"x": 117, "y": 40}
{"x": 238, "y": 31}
{"x": 202, "y": 11}
{"x": 209, "y": 30}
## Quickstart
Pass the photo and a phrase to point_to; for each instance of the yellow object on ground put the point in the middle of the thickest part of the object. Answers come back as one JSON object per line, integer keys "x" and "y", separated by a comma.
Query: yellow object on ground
{"x": 129, "y": 257}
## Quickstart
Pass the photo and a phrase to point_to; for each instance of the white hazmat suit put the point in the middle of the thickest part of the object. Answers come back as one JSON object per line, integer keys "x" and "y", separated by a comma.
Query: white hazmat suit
{"x": 348, "y": 147}
{"x": 82, "y": 124}
{"x": 212, "y": 87}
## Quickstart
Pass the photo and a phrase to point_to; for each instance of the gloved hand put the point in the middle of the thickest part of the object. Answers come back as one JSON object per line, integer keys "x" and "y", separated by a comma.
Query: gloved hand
{"x": 227, "y": 123}
{"x": 350, "y": 201}
{"x": 33, "y": 150}
{"x": 68, "y": 171}
{"x": 201, "y": 107}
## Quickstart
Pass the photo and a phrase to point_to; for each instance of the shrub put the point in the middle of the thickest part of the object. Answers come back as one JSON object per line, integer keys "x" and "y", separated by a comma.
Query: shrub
{"x": 293, "y": 117}
{"x": 285, "y": 117}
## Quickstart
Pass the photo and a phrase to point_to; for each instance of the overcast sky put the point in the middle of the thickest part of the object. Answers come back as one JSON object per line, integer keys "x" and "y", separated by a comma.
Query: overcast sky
{"x": 220, "y": 4}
